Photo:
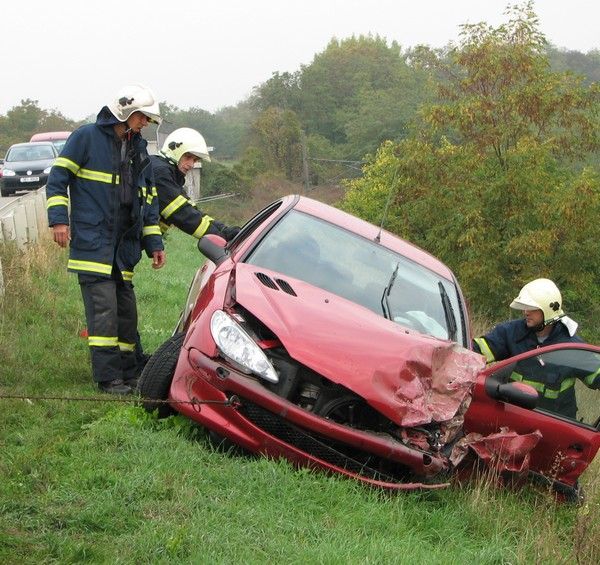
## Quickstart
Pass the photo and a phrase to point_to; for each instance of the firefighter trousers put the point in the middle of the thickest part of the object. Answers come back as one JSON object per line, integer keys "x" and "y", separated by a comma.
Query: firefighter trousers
{"x": 111, "y": 317}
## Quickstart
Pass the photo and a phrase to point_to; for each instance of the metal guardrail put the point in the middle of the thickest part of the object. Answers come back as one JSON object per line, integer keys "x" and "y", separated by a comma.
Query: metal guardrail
{"x": 22, "y": 220}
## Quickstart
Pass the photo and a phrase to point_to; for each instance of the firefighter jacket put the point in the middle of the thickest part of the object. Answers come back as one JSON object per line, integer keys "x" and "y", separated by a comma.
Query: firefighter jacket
{"x": 86, "y": 190}
{"x": 175, "y": 206}
{"x": 554, "y": 383}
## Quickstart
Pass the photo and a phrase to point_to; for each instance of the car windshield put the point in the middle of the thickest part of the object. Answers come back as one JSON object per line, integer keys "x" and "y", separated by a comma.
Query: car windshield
{"x": 362, "y": 271}
{"x": 30, "y": 153}
{"x": 59, "y": 144}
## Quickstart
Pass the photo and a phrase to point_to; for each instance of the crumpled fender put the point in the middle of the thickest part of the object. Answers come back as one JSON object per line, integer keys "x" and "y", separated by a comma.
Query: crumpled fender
{"x": 505, "y": 450}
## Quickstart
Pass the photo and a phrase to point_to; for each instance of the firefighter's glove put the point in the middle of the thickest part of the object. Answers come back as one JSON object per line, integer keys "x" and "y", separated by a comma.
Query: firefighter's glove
{"x": 229, "y": 232}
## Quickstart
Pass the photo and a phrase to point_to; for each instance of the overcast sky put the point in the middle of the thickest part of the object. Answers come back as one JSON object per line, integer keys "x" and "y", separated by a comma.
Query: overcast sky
{"x": 74, "y": 55}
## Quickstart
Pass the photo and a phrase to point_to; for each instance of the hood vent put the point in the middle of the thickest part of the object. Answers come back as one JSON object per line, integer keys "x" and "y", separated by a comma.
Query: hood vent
{"x": 285, "y": 286}
{"x": 270, "y": 283}
{"x": 266, "y": 280}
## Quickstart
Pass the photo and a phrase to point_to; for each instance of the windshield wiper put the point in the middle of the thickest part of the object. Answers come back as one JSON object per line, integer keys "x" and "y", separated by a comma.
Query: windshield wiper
{"x": 448, "y": 313}
{"x": 385, "y": 297}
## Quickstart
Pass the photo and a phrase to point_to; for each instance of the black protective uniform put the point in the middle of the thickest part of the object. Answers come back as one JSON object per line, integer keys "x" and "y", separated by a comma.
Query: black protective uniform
{"x": 103, "y": 188}
{"x": 175, "y": 206}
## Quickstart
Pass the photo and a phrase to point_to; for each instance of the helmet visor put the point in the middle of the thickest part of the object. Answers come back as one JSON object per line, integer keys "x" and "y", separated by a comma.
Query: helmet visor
{"x": 520, "y": 305}
{"x": 154, "y": 118}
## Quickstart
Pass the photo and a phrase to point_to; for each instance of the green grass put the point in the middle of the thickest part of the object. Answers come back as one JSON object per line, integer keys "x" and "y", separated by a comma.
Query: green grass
{"x": 107, "y": 483}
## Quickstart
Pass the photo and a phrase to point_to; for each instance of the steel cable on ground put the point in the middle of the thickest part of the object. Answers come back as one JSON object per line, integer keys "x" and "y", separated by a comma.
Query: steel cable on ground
{"x": 232, "y": 401}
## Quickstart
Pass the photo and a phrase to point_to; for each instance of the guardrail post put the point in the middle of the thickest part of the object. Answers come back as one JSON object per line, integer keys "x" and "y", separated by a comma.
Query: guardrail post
{"x": 32, "y": 225}
{"x": 9, "y": 230}
{"x": 20, "y": 219}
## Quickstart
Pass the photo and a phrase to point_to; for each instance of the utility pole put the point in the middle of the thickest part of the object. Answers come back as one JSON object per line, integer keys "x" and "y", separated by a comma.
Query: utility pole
{"x": 304, "y": 163}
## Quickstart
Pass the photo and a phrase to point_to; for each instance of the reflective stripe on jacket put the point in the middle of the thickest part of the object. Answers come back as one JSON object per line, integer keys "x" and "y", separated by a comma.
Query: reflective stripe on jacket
{"x": 175, "y": 206}
{"x": 511, "y": 338}
{"x": 554, "y": 384}
{"x": 83, "y": 192}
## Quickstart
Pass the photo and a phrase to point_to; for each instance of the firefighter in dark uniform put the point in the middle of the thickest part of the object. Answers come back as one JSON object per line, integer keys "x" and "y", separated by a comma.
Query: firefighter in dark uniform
{"x": 102, "y": 202}
{"x": 180, "y": 151}
{"x": 544, "y": 323}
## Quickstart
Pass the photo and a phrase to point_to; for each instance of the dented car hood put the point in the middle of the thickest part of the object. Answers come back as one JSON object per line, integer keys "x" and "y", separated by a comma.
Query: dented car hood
{"x": 411, "y": 378}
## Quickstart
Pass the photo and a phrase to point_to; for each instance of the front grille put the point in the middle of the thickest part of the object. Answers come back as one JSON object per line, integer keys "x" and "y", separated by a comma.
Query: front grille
{"x": 34, "y": 172}
{"x": 335, "y": 453}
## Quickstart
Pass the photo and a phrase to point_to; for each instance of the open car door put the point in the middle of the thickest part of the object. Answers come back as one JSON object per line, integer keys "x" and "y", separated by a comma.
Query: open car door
{"x": 570, "y": 438}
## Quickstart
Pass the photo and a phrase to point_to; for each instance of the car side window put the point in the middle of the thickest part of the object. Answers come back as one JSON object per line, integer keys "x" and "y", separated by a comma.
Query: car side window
{"x": 253, "y": 223}
{"x": 567, "y": 382}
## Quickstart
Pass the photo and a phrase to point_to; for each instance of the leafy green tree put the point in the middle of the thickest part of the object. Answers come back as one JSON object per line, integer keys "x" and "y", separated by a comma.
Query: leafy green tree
{"x": 282, "y": 90}
{"x": 225, "y": 131}
{"x": 252, "y": 164}
{"x": 278, "y": 134}
{"x": 495, "y": 185}
{"x": 332, "y": 84}
{"x": 22, "y": 121}
{"x": 568, "y": 60}
{"x": 219, "y": 179}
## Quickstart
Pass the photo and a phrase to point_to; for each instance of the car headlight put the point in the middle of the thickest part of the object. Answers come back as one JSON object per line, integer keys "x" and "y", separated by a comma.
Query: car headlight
{"x": 8, "y": 173}
{"x": 235, "y": 344}
{"x": 47, "y": 170}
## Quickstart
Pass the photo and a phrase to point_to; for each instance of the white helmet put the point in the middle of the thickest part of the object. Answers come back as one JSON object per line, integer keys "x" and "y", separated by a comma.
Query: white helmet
{"x": 540, "y": 294}
{"x": 135, "y": 98}
{"x": 184, "y": 140}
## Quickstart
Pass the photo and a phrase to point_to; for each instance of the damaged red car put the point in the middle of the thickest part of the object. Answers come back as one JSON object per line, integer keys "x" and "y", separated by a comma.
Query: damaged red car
{"x": 320, "y": 338}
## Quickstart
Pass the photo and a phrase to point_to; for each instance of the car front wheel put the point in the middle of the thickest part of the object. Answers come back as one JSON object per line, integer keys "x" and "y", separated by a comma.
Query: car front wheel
{"x": 157, "y": 376}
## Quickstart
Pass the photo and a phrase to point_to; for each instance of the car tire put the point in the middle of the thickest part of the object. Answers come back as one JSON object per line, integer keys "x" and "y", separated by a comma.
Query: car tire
{"x": 6, "y": 192}
{"x": 156, "y": 378}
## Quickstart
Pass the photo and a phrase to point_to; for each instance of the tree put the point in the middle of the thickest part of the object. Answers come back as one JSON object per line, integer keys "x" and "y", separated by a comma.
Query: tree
{"x": 332, "y": 84}
{"x": 496, "y": 184}
{"x": 282, "y": 90}
{"x": 22, "y": 121}
{"x": 278, "y": 134}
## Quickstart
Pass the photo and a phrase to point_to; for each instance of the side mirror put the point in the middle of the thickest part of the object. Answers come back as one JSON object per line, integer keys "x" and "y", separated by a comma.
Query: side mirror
{"x": 519, "y": 394}
{"x": 213, "y": 248}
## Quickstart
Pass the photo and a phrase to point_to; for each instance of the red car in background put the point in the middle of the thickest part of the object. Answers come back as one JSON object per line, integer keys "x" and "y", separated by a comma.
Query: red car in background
{"x": 318, "y": 337}
{"x": 57, "y": 138}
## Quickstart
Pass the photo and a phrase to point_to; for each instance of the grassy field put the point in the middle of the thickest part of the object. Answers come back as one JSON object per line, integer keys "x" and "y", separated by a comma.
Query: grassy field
{"x": 104, "y": 482}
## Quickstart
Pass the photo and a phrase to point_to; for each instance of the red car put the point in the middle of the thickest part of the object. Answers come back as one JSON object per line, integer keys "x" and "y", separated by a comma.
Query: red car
{"x": 318, "y": 337}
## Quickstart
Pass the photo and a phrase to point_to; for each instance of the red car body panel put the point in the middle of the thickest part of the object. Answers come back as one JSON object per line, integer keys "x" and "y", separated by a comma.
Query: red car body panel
{"x": 375, "y": 357}
{"x": 565, "y": 448}
{"x": 196, "y": 377}
{"x": 409, "y": 378}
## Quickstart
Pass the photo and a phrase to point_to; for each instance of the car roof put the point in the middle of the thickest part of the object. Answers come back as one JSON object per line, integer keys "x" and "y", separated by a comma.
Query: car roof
{"x": 50, "y": 136}
{"x": 370, "y": 231}
{"x": 32, "y": 144}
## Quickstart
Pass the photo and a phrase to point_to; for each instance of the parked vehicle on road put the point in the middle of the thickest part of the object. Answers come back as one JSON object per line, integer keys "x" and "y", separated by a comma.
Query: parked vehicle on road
{"x": 58, "y": 138}
{"x": 320, "y": 338}
{"x": 26, "y": 166}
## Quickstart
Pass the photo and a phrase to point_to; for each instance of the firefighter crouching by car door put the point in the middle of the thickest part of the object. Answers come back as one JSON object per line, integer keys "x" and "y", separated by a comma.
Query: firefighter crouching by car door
{"x": 104, "y": 175}
{"x": 180, "y": 151}
{"x": 544, "y": 323}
